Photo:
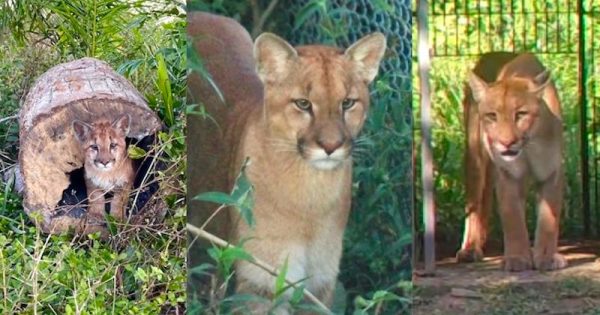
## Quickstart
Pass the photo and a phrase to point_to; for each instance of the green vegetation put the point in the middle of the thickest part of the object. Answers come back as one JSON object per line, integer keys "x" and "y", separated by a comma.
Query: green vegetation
{"x": 142, "y": 269}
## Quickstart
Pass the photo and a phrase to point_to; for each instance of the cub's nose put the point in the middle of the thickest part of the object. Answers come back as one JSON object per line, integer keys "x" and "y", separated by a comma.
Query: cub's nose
{"x": 103, "y": 162}
{"x": 330, "y": 146}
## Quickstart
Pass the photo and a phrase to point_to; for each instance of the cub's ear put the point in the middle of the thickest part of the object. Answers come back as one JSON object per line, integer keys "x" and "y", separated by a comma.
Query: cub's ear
{"x": 478, "y": 87}
{"x": 82, "y": 130}
{"x": 121, "y": 124}
{"x": 541, "y": 81}
{"x": 367, "y": 53}
{"x": 273, "y": 56}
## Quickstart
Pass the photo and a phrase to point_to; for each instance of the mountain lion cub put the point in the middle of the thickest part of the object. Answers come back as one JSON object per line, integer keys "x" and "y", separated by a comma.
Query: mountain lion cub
{"x": 107, "y": 166}
{"x": 514, "y": 133}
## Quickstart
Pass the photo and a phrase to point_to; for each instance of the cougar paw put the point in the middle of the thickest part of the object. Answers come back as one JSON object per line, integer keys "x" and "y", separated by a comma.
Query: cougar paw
{"x": 517, "y": 263}
{"x": 550, "y": 262}
{"x": 467, "y": 255}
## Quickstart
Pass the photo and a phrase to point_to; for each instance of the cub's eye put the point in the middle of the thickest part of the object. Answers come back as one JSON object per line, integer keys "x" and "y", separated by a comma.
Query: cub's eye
{"x": 94, "y": 147}
{"x": 303, "y": 104}
{"x": 520, "y": 114}
{"x": 113, "y": 145}
{"x": 348, "y": 103}
{"x": 491, "y": 116}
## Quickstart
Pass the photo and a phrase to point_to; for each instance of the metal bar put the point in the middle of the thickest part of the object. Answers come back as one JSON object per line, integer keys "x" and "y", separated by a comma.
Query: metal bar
{"x": 547, "y": 43}
{"x": 514, "y": 29}
{"x": 535, "y": 27}
{"x": 524, "y": 23}
{"x": 445, "y": 33}
{"x": 558, "y": 28}
{"x": 479, "y": 21}
{"x": 456, "y": 38}
{"x": 426, "y": 153}
{"x": 489, "y": 28}
{"x": 592, "y": 61}
{"x": 585, "y": 172}
{"x": 501, "y": 24}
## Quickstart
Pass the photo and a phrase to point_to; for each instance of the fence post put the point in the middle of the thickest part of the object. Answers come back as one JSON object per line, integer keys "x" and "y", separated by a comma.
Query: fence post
{"x": 585, "y": 173}
{"x": 426, "y": 152}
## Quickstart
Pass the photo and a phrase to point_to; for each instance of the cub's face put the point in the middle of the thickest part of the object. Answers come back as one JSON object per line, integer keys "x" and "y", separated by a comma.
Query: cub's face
{"x": 316, "y": 97}
{"x": 103, "y": 142}
{"x": 508, "y": 112}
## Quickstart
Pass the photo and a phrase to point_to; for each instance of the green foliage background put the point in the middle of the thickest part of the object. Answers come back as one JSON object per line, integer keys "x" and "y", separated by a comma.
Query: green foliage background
{"x": 141, "y": 271}
{"x": 459, "y": 32}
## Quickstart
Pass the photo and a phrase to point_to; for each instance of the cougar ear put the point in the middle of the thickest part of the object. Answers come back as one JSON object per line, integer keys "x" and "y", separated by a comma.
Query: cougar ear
{"x": 122, "y": 124}
{"x": 367, "y": 53}
{"x": 478, "y": 87}
{"x": 541, "y": 81}
{"x": 273, "y": 56}
{"x": 82, "y": 130}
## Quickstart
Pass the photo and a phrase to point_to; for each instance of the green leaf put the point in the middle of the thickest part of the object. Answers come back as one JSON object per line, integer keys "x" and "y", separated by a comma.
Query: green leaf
{"x": 280, "y": 280}
{"x": 297, "y": 295}
{"x": 196, "y": 64}
{"x": 135, "y": 152}
{"x": 241, "y": 197}
{"x": 243, "y": 193}
{"x": 216, "y": 197}
{"x": 164, "y": 86}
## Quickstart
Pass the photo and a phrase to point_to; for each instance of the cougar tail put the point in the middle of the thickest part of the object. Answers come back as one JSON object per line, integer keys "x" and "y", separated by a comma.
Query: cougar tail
{"x": 222, "y": 79}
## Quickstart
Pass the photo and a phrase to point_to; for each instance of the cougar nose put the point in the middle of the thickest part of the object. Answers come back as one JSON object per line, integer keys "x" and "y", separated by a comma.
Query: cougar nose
{"x": 330, "y": 146}
{"x": 507, "y": 143}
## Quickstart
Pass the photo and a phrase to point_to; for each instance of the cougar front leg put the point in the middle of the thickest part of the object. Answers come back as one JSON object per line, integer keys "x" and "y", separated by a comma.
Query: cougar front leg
{"x": 118, "y": 204}
{"x": 511, "y": 198}
{"x": 478, "y": 185}
{"x": 545, "y": 250}
{"x": 96, "y": 203}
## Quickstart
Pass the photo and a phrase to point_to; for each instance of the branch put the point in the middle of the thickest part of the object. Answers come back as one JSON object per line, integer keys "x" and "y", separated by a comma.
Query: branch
{"x": 260, "y": 22}
{"x": 261, "y": 264}
{"x": 8, "y": 118}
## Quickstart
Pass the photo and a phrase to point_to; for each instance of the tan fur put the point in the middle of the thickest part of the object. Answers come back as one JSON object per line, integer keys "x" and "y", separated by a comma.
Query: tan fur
{"x": 107, "y": 166}
{"x": 302, "y": 193}
{"x": 511, "y": 106}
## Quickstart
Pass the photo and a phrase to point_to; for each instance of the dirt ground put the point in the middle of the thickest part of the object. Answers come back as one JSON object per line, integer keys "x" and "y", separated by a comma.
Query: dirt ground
{"x": 483, "y": 288}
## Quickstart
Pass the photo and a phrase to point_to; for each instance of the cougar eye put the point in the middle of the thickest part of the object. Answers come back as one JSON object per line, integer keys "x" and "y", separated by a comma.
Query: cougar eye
{"x": 113, "y": 145}
{"x": 490, "y": 116}
{"x": 520, "y": 114}
{"x": 348, "y": 103}
{"x": 303, "y": 104}
{"x": 94, "y": 147}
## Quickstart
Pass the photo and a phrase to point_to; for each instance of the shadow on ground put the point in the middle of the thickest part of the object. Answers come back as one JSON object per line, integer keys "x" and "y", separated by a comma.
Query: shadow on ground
{"x": 483, "y": 288}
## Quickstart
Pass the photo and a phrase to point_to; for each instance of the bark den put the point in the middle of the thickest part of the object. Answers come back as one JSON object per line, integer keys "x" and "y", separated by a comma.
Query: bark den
{"x": 50, "y": 158}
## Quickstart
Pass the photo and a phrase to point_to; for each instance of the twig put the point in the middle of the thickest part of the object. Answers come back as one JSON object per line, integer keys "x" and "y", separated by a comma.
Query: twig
{"x": 8, "y": 118}
{"x": 260, "y": 22}
{"x": 257, "y": 262}
{"x": 214, "y": 214}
